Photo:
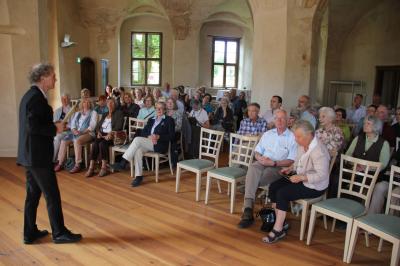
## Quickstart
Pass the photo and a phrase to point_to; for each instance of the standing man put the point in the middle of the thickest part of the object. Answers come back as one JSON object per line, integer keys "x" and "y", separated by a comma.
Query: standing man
{"x": 35, "y": 152}
{"x": 275, "y": 104}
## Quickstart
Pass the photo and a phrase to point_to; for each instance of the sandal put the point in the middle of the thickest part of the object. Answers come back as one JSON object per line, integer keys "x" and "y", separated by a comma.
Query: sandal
{"x": 277, "y": 236}
{"x": 103, "y": 172}
{"x": 90, "y": 172}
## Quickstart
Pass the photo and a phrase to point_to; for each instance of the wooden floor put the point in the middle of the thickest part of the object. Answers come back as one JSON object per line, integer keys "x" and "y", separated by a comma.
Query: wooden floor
{"x": 152, "y": 225}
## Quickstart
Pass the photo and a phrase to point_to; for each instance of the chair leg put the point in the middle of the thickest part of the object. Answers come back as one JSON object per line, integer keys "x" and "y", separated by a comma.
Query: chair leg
{"x": 347, "y": 240}
{"x": 395, "y": 254}
{"x": 303, "y": 223}
{"x": 198, "y": 186}
{"x": 352, "y": 243}
{"x": 219, "y": 187}
{"x": 170, "y": 165}
{"x": 208, "y": 187}
{"x": 233, "y": 194}
{"x": 311, "y": 225}
{"x": 229, "y": 189}
{"x": 178, "y": 178}
{"x": 333, "y": 225}
{"x": 85, "y": 150}
{"x": 147, "y": 163}
{"x": 132, "y": 168}
{"x": 157, "y": 160}
{"x": 325, "y": 222}
{"x": 366, "y": 239}
{"x": 112, "y": 160}
{"x": 380, "y": 245}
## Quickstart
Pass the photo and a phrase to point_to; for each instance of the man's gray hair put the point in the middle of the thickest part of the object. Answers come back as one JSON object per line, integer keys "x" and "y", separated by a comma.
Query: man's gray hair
{"x": 305, "y": 126}
{"x": 329, "y": 112}
{"x": 377, "y": 124}
{"x": 40, "y": 70}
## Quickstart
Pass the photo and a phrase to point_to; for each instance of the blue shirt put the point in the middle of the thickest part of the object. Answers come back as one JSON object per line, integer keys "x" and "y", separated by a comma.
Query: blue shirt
{"x": 306, "y": 115}
{"x": 277, "y": 147}
{"x": 146, "y": 113}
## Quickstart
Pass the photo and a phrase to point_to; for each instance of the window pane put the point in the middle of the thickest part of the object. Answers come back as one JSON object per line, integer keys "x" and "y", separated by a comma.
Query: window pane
{"x": 138, "y": 72}
{"x": 153, "y": 45}
{"x": 231, "y": 52}
{"x": 219, "y": 51}
{"x": 230, "y": 76}
{"x": 153, "y": 72}
{"x": 138, "y": 45}
{"x": 218, "y": 76}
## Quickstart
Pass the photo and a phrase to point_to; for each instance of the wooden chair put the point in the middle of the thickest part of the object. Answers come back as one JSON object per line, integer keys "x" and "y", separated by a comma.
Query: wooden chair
{"x": 306, "y": 203}
{"x": 241, "y": 154}
{"x": 386, "y": 226}
{"x": 210, "y": 145}
{"x": 353, "y": 182}
{"x": 133, "y": 125}
{"x": 158, "y": 158}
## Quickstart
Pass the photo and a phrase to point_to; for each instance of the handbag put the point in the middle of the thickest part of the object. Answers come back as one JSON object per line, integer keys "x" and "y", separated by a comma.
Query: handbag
{"x": 268, "y": 217}
{"x": 120, "y": 137}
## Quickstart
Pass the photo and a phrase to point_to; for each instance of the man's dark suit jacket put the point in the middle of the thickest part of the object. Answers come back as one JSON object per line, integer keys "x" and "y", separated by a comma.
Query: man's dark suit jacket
{"x": 36, "y": 130}
{"x": 166, "y": 130}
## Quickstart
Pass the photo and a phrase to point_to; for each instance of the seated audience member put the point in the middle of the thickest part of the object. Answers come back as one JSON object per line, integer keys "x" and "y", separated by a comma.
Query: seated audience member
{"x": 371, "y": 110}
{"x": 223, "y": 117}
{"x": 83, "y": 125}
{"x": 328, "y": 133}
{"x": 239, "y": 105}
{"x": 166, "y": 93}
{"x": 139, "y": 97}
{"x": 206, "y": 103}
{"x": 85, "y": 93}
{"x": 147, "y": 111}
{"x": 275, "y": 104}
{"x": 175, "y": 96}
{"x": 156, "y": 136}
{"x": 304, "y": 106}
{"x": 387, "y": 131}
{"x": 233, "y": 95}
{"x": 108, "y": 124}
{"x": 202, "y": 92}
{"x": 293, "y": 117}
{"x": 355, "y": 113}
{"x": 129, "y": 108}
{"x": 276, "y": 148}
{"x": 108, "y": 91}
{"x": 341, "y": 123}
{"x": 184, "y": 98}
{"x": 200, "y": 115}
{"x": 101, "y": 107}
{"x": 369, "y": 145}
{"x": 310, "y": 179}
{"x": 253, "y": 125}
{"x": 157, "y": 95}
{"x": 396, "y": 129}
{"x": 196, "y": 97}
{"x": 172, "y": 111}
{"x": 147, "y": 91}
{"x": 58, "y": 116}
{"x": 376, "y": 99}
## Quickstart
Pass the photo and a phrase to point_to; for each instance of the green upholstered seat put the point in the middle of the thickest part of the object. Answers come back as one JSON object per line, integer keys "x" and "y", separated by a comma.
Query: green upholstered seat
{"x": 197, "y": 163}
{"x": 388, "y": 224}
{"x": 229, "y": 172}
{"x": 346, "y": 207}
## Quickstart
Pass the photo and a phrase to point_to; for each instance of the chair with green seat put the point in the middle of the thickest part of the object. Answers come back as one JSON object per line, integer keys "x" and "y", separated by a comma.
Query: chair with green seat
{"x": 386, "y": 226}
{"x": 210, "y": 144}
{"x": 241, "y": 154}
{"x": 356, "y": 183}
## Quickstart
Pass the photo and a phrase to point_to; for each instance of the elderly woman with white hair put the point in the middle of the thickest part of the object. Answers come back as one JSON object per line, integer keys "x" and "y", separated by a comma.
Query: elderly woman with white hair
{"x": 307, "y": 178}
{"x": 328, "y": 133}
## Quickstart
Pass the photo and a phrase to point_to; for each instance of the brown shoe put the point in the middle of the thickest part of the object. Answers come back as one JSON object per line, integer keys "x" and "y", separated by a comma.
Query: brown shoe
{"x": 76, "y": 169}
{"x": 90, "y": 172}
{"x": 103, "y": 172}
{"x": 58, "y": 168}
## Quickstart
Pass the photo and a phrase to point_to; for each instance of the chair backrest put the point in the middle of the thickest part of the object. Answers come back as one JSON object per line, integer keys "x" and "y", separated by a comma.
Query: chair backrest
{"x": 242, "y": 149}
{"x": 210, "y": 144}
{"x": 357, "y": 178}
{"x": 124, "y": 123}
{"x": 397, "y": 143}
{"x": 135, "y": 124}
{"x": 393, "y": 198}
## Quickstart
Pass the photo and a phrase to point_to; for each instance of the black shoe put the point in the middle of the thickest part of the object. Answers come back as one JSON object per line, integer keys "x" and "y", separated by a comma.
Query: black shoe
{"x": 137, "y": 181}
{"x": 28, "y": 240}
{"x": 67, "y": 237}
{"x": 247, "y": 218}
{"x": 117, "y": 167}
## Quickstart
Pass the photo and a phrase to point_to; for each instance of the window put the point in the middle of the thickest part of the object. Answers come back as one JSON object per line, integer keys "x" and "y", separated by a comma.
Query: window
{"x": 225, "y": 62}
{"x": 146, "y": 58}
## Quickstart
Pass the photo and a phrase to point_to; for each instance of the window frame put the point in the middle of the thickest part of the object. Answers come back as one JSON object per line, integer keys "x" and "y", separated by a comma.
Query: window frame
{"x": 146, "y": 59}
{"x": 225, "y": 64}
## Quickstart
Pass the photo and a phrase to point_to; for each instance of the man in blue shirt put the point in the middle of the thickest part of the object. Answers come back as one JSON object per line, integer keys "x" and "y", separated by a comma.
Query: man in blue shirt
{"x": 304, "y": 106}
{"x": 277, "y": 148}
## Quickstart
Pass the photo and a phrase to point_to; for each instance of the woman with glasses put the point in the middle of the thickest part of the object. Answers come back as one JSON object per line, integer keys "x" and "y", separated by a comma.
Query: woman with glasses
{"x": 147, "y": 111}
{"x": 156, "y": 136}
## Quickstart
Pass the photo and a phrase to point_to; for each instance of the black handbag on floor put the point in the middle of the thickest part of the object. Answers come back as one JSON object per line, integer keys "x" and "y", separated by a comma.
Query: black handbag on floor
{"x": 268, "y": 218}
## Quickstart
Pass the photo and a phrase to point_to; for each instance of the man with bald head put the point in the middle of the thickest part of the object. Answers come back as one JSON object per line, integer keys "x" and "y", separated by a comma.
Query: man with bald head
{"x": 276, "y": 149}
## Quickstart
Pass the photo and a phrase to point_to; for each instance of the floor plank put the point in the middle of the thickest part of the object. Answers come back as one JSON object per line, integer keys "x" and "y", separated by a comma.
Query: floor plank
{"x": 153, "y": 225}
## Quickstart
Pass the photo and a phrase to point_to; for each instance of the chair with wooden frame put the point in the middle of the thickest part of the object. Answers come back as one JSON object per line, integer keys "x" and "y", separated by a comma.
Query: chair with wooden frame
{"x": 210, "y": 145}
{"x": 133, "y": 125}
{"x": 241, "y": 154}
{"x": 158, "y": 158}
{"x": 386, "y": 226}
{"x": 356, "y": 180}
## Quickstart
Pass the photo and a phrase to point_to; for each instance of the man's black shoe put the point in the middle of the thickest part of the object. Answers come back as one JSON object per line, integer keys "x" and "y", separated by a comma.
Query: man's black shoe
{"x": 117, "y": 167}
{"x": 28, "y": 240}
{"x": 67, "y": 237}
{"x": 247, "y": 218}
{"x": 137, "y": 181}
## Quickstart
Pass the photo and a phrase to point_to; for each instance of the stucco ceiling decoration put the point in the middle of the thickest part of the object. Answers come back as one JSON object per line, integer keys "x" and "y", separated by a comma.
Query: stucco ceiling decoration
{"x": 105, "y": 20}
{"x": 179, "y": 12}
